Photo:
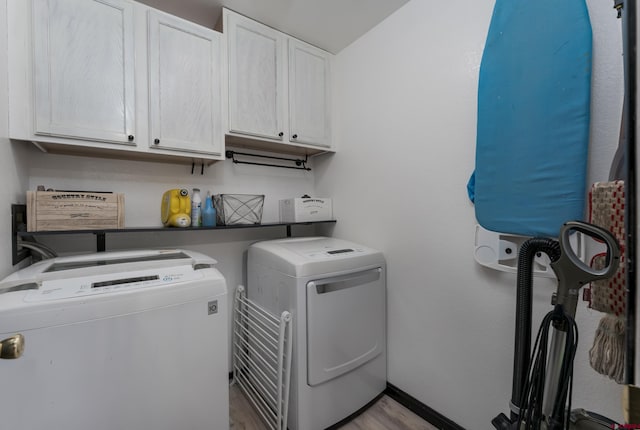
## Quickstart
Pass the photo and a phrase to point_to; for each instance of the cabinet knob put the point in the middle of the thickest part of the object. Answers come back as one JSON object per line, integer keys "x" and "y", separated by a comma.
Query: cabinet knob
{"x": 281, "y": 134}
{"x": 295, "y": 136}
{"x": 130, "y": 137}
{"x": 156, "y": 141}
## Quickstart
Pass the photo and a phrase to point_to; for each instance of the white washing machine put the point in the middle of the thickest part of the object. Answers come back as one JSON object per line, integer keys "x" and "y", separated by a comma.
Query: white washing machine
{"x": 117, "y": 340}
{"x": 335, "y": 291}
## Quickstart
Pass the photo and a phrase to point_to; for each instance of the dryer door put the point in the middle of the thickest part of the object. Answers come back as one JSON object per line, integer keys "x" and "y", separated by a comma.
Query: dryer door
{"x": 345, "y": 323}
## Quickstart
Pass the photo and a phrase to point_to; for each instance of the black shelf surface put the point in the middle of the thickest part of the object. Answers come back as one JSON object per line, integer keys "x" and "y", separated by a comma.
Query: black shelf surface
{"x": 165, "y": 229}
{"x": 19, "y": 217}
{"x": 101, "y": 234}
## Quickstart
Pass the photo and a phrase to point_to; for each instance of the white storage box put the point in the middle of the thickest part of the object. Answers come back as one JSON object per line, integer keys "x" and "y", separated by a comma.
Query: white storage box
{"x": 305, "y": 209}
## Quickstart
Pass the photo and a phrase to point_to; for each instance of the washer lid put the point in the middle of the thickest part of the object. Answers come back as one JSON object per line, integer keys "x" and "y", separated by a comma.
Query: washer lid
{"x": 310, "y": 256}
{"x": 90, "y": 266}
{"x": 120, "y": 283}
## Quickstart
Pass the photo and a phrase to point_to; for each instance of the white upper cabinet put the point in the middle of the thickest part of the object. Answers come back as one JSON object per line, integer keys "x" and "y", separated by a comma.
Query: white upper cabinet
{"x": 309, "y": 103}
{"x": 114, "y": 78}
{"x": 84, "y": 69}
{"x": 256, "y": 81}
{"x": 279, "y": 89}
{"x": 184, "y": 86}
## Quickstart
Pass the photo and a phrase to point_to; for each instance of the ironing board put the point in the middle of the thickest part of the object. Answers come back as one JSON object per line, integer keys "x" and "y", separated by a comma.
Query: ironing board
{"x": 533, "y": 117}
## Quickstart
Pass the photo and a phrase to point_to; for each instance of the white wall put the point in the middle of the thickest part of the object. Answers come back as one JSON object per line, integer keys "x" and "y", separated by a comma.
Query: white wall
{"x": 144, "y": 182}
{"x": 405, "y": 113}
{"x": 12, "y": 159}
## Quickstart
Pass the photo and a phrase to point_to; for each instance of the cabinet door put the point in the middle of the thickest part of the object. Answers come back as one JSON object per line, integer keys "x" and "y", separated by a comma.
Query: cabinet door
{"x": 255, "y": 78}
{"x": 309, "y": 104}
{"x": 184, "y": 85}
{"x": 84, "y": 69}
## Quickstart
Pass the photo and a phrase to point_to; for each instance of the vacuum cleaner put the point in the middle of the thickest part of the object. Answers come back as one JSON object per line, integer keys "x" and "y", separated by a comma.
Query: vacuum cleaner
{"x": 542, "y": 381}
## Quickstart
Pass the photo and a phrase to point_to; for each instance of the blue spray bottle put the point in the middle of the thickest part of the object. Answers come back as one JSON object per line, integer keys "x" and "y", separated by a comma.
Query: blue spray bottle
{"x": 208, "y": 212}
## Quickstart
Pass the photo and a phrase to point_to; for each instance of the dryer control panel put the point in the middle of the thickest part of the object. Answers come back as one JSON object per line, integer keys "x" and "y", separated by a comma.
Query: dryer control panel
{"x": 330, "y": 252}
{"x": 308, "y": 256}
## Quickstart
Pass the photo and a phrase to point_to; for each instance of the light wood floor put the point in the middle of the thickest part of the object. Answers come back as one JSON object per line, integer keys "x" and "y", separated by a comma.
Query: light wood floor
{"x": 385, "y": 414}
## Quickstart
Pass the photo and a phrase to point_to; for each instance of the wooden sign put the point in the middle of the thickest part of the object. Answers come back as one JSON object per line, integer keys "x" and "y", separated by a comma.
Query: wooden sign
{"x": 74, "y": 210}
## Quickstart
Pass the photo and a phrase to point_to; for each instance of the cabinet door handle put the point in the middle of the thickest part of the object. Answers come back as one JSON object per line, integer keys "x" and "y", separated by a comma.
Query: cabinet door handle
{"x": 295, "y": 136}
{"x": 156, "y": 141}
{"x": 130, "y": 137}
{"x": 281, "y": 134}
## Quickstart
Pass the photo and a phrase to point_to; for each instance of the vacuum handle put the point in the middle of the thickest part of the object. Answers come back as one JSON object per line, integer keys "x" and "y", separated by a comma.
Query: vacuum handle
{"x": 595, "y": 232}
{"x": 573, "y": 273}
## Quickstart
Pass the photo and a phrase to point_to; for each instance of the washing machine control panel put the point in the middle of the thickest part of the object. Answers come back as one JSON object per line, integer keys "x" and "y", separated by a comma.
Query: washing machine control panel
{"x": 54, "y": 289}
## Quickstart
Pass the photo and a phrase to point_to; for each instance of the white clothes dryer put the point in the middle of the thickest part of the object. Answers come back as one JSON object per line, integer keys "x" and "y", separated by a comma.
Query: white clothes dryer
{"x": 335, "y": 291}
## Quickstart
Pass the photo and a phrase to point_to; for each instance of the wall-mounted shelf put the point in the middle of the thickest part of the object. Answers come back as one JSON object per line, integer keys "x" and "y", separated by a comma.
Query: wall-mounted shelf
{"x": 19, "y": 230}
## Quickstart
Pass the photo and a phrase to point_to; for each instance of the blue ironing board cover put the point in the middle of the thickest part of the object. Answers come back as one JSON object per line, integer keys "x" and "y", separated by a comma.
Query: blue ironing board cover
{"x": 533, "y": 117}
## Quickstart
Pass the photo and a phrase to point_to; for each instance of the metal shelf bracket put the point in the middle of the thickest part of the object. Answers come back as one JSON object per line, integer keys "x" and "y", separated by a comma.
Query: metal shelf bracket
{"x": 18, "y": 224}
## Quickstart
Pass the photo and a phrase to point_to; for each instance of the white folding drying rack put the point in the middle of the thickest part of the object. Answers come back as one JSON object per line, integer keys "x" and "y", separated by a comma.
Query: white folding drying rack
{"x": 262, "y": 358}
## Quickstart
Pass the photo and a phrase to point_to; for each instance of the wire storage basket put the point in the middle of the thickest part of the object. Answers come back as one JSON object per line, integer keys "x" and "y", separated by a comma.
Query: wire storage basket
{"x": 262, "y": 358}
{"x": 238, "y": 208}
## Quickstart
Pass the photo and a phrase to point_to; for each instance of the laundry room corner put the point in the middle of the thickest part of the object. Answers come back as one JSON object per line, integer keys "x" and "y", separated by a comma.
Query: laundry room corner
{"x": 271, "y": 204}
{"x": 450, "y": 328}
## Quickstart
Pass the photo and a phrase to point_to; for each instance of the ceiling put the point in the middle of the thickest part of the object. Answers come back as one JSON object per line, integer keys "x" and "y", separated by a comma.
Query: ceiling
{"x": 328, "y": 24}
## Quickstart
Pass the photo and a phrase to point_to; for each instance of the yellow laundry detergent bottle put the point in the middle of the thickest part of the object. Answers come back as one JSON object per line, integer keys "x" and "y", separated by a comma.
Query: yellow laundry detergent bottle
{"x": 175, "y": 209}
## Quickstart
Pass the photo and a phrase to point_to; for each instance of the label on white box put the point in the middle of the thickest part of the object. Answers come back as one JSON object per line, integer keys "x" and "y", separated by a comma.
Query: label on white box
{"x": 306, "y": 209}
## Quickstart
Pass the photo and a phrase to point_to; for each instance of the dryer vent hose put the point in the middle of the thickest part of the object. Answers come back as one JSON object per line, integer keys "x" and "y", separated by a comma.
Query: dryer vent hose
{"x": 524, "y": 299}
